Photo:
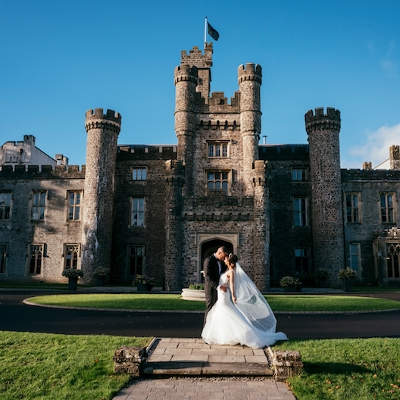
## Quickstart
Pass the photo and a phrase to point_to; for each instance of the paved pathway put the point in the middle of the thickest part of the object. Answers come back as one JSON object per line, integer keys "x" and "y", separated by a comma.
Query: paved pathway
{"x": 206, "y": 389}
{"x": 216, "y": 372}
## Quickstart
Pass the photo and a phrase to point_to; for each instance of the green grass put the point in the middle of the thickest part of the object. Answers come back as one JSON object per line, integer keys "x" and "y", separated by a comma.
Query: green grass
{"x": 346, "y": 369}
{"x": 174, "y": 302}
{"x": 48, "y": 366}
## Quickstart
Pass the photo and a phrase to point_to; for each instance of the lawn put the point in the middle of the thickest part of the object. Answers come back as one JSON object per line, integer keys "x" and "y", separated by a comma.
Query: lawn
{"x": 285, "y": 303}
{"x": 48, "y": 366}
{"x": 347, "y": 369}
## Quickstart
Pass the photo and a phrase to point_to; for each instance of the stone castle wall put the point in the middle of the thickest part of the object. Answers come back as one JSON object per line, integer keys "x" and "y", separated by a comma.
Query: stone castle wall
{"x": 53, "y": 233}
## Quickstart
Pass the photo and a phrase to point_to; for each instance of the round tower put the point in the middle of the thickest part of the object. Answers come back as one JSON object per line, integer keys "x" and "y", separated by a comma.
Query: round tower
{"x": 185, "y": 79}
{"x": 261, "y": 238}
{"x": 249, "y": 79}
{"x": 101, "y": 150}
{"x": 175, "y": 241}
{"x": 326, "y": 201}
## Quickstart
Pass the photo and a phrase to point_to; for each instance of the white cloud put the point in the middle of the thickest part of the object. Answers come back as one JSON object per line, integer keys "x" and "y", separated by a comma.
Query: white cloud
{"x": 376, "y": 148}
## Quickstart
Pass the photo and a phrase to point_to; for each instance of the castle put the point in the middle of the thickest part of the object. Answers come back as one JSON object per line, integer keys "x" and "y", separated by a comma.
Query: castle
{"x": 161, "y": 210}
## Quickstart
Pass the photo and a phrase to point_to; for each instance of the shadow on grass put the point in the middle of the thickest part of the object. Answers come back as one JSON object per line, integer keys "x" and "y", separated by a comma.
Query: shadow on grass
{"x": 334, "y": 368}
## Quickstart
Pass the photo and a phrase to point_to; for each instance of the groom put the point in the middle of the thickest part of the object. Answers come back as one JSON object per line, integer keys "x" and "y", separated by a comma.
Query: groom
{"x": 213, "y": 267}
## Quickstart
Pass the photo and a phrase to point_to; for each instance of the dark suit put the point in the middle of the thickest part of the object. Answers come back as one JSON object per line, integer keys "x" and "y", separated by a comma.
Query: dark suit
{"x": 211, "y": 276}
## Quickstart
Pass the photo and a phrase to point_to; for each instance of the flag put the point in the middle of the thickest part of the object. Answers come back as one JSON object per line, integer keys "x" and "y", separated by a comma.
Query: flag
{"x": 212, "y": 32}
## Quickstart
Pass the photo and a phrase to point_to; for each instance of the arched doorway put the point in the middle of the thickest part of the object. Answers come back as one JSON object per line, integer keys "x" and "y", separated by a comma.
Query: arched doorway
{"x": 209, "y": 247}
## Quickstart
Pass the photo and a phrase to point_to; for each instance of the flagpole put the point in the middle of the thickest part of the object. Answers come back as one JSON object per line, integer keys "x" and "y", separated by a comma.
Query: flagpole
{"x": 205, "y": 33}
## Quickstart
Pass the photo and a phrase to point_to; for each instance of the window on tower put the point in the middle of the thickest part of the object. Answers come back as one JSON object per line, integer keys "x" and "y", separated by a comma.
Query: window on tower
{"x": 218, "y": 180}
{"x": 299, "y": 175}
{"x": 217, "y": 149}
{"x": 139, "y": 174}
{"x": 300, "y": 211}
{"x": 137, "y": 211}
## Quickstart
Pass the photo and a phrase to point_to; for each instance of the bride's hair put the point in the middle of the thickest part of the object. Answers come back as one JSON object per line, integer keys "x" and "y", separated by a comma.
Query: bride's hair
{"x": 232, "y": 259}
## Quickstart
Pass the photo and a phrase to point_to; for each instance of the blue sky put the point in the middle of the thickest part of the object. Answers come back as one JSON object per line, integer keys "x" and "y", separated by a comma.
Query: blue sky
{"x": 61, "y": 58}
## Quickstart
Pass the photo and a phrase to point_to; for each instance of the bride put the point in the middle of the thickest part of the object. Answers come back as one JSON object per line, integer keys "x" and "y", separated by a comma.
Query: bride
{"x": 241, "y": 315}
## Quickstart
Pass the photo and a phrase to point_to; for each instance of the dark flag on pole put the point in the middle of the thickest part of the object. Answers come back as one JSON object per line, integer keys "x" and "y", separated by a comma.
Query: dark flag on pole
{"x": 212, "y": 32}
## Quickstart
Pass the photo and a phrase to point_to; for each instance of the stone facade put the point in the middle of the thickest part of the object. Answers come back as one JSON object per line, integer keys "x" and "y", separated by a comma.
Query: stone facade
{"x": 161, "y": 210}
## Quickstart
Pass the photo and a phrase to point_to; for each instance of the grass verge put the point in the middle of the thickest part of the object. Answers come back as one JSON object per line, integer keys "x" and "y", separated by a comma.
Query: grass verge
{"x": 174, "y": 302}
{"x": 49, "y": 366}
{"x": 284, "y": 303}
{"x": 347, "y": 369}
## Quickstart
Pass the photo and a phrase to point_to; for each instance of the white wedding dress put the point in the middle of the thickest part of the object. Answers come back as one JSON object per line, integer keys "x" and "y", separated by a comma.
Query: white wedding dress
{"x": 250, "y": 322}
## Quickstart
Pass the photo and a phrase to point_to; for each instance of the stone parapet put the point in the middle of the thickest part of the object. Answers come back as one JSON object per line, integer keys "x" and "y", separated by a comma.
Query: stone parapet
{"x": 128, "y": 360}
{"x": 285, "y": 363}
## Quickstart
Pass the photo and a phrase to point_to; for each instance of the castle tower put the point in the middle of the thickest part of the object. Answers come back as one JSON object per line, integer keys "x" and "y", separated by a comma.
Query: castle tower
{"x": 326, "y": 203}
{"x": 101, "y": 150}
{"x": 261, "y": 238}
{"x": 249, "y": 79}
{"x": 185, "y": 79}
{"x": 203, "y": 63}
{"x": 173, "y": 258}
{"x": 394, "y": 152}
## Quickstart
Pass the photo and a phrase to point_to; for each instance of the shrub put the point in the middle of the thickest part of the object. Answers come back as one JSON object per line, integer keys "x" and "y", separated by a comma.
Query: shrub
{"x": 196, "y": 286}
{"x": 144, "y": 280}
{"x": 101, "y": 272}
{"x": 289, "y": 281}
{"x": 72, "y": 273}
{"x": 348, "y": 273}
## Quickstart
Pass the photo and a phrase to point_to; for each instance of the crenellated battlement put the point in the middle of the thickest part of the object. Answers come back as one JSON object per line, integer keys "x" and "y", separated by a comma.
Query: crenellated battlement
{"x": 175, "y": 172}
{"x": 219, "y": 99}
{"x": 252, "y": 72}
{"x": 218, "y": 124}
{"x": 321, "y": 121}
{"x": 43, "y": 171}
{"x": 185, "y": 73}
{"x": 97, "y": 119}
{"x": 370, "y": 175}
{"x": 196, "y": 57}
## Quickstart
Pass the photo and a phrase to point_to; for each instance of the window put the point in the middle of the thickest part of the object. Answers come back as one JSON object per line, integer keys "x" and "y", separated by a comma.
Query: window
{"x": 74, "y": 206}
{"x": 35, "y": 258}
{"x": 299, "y": 175}
{"x": 392, "y": 260}
{"x": 355, "y": 257}
{"x": 5, "y": 206}
{"x": 302, "y": 261}
{"x": 352, "y": 208}
{"x": 300, "y": 211}
{"x": 387, "y": 210}
{"x": 136, "y": 260}
{"x": 137, "y": 211}
{"x": 38, "y": 205}
{"x": 139, "y": 174}
{"x": 218, "y": 149}
{"x": 3, "y": 257}
{"x": 217, "y": 180}
{"x": 71, "y": 256}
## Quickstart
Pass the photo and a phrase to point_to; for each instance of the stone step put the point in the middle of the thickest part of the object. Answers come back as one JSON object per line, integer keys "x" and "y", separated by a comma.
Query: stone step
{"x": 177, "y": 368}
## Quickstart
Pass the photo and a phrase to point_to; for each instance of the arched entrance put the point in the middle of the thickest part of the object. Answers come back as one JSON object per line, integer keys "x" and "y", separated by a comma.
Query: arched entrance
{"x": 209, "y": 247}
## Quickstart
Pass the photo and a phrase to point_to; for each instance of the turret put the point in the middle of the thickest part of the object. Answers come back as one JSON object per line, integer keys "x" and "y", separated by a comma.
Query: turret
{"x": 174, "y": 242}
{"x": 326, "y": 202}
{"x": 101, "y": 149}
{"x": 185, "y": 78}
{"x": 249, "y": 79}
{"x": 394, "y": 153}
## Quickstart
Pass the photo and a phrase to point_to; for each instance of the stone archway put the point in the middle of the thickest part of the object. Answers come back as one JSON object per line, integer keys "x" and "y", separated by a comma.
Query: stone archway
{"x": 209, "y": 243}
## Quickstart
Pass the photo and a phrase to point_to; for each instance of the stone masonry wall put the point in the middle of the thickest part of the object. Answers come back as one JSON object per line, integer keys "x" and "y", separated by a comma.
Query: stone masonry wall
{"x": 53, "y": 232}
